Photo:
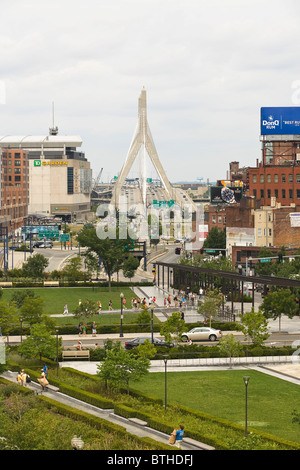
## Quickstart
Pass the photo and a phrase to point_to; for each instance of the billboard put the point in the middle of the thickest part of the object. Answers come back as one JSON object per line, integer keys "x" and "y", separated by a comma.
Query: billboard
{"x": 295, "y": 219}
{"x": 280, "y": 121}
{"x": 225, "y": 194}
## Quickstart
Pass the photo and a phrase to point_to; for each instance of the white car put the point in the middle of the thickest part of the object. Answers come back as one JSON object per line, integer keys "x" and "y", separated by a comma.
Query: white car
{"x": 202, "y": 333}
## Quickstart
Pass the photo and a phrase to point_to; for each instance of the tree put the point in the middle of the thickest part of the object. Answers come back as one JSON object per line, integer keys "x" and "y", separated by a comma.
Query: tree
{"x": 72, "y": 269}
{"x": 111, "y": 251}
{"x": 86, "y": 310}
{"x": 279, "y": 302}
{"x": 32, "y": 310}
{"x": 130, "y": 265}
{"x": 8, "y": 317}
{"x": 229, "y": 346}
{"x": 255, "y": 326}
{"x": 173, "y": 328}
{"x": 35, "y": 265}
{"x": 212, "y": 301}
{"x": 120, "y": 367}
{"x": 40, "y": 343}
{"x": 20, "y": 295}
{"x": 215, "y": 239}
{"x": 144, "y": 318}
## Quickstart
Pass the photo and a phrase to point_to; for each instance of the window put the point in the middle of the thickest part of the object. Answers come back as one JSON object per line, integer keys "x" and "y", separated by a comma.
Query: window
{"x": 262, "y": 193}
{"x": 290, "y": 178}
{"x": 276, "y": 192}
{"x": 70, "y": 180}
{"x": 298, "y": 193}
{"x": 283, "y": 193}
{"x": 270, "y": 232}
{"x": 262, "y": 178}
{"x": 275, "y": 178}
{"x": 269, "y": 193}
{"x": 219, "y": 219}
{"x": 269, "y": 178}
{"x": 213, "y": 219}
{"x": 290, "y": 193}
{"x": 254, "y": 178}
{"x": 283, "y": 178}
{"x": 259, "y": 232}
{"x": 254, "y": 192}
{"x": 297, "y": 178}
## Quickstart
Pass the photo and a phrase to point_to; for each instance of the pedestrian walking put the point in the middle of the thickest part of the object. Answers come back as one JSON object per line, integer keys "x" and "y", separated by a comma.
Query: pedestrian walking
{"x": 110, "y": 305}
{"x": 94, "y": 331}
{"x": 66, "y": 310}
{"x": 79, "y": 346}
{"x": 179, "y": 436}
{"x": 79, "y": 328}
{"x": 21, "y": 378}
{"x": 84, "y": 329}
{"x": 46, "y": 371}
{"x": 99, "y": 306}
{"x": 42, "y": 380}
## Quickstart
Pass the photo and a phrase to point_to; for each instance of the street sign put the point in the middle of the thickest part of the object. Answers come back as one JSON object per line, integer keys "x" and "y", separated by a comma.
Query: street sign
{"x": 65, "y": 237}
{"x": 265, "y": 260}
{"x": 49, "y": 234}
{"x": 210, "y": 251}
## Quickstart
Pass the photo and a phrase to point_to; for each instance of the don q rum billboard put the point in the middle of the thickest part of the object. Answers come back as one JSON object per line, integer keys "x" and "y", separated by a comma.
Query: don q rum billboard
{"x": 280, "y": 121}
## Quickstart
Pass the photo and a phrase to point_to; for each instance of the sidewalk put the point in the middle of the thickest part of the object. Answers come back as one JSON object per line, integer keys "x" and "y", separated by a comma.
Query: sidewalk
{"x": 140, "y": 430}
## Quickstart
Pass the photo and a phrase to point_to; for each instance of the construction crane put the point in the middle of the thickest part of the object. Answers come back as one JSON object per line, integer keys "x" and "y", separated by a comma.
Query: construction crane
{"x": 97, "y": 179}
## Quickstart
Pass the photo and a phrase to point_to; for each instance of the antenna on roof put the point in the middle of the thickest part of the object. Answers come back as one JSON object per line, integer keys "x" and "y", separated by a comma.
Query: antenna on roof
{"x": 53, "y": 130}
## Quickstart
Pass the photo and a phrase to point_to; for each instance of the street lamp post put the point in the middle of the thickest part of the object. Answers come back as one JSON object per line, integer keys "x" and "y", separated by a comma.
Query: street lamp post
{"x": 246, "y": 381}
{"x": 152, "y": 309}
{"x": 165, "y": 361}
{"x": 121, "y": 326}
{"x": 21, "y": 321}
{"x": 57, "y": 352}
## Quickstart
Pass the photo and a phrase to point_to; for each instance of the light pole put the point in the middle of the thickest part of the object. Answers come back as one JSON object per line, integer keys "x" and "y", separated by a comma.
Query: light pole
{"x": 165, "y": 361}
{"x": 152, "y": 309}
{"x": 121, "y": 327}
{"x": 21, "y": 321}
{"x": 246, "y": 381}
{"x": 57, "y": 352}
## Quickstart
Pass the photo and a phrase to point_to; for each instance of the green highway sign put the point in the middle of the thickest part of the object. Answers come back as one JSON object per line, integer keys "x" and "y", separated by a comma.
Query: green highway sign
{"x": 49, "y": 234}
{"x": 210, "y": 251}
{"x": 265, "y": 260}
{"x": 65, "y": 237}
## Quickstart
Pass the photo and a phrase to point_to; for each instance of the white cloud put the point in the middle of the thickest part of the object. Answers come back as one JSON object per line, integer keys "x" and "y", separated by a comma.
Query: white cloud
{"x": 207, "y": 66}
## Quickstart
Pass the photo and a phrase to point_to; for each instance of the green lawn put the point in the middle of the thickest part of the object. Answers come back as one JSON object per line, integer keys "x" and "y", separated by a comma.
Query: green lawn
{"x": 56, "y": 298}
{"x": 271, "y": 401}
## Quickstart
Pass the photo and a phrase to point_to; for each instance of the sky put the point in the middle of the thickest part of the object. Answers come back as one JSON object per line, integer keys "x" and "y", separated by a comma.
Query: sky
{"x": 207, "y": 67}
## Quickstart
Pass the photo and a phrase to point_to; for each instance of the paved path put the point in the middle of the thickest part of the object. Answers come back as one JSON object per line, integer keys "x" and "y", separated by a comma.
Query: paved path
{"x": 135, "y": 429}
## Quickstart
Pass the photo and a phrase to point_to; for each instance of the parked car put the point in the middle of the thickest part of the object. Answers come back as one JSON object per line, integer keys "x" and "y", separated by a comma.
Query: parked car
{"x": 133, "y": 343}
{"x": 46, "y": 245}
{"x": 202, "y": 334}
{"x": 37, "y": 244}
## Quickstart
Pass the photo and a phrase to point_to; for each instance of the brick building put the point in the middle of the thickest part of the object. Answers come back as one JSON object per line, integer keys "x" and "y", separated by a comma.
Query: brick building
{"x": 274, "y": 181}
{"x": 14, "y": 188}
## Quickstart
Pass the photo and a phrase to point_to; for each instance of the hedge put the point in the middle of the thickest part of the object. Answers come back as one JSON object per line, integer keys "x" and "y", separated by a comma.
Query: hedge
{"x": 128, "y": 412}
{"x": 92, "y": 420}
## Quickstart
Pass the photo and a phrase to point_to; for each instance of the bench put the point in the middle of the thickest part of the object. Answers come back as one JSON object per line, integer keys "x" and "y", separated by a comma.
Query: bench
{"x": 138, "y": 421}
{"x": 84, "y": 354}
{"x": 51, "y": 283}
{"x": 201, "y": 445}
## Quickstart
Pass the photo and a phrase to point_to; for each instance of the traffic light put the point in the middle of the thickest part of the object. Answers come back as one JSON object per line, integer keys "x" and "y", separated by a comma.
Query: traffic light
{"x": 154, "y": 270}
{"x": 280, "y": 257}
{"x": 177, "y": 251}
{"x": 201, "y": 251}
